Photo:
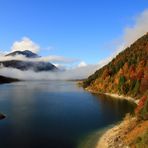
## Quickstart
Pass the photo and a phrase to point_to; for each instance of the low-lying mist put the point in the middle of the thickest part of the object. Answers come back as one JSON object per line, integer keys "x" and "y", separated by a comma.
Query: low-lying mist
{"x": 79, "y": 72}
{"x": 70, "y": 74}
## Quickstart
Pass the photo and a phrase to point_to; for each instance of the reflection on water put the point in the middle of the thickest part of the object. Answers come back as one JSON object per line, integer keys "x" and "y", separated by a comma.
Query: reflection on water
{"x": 53, "y": 114}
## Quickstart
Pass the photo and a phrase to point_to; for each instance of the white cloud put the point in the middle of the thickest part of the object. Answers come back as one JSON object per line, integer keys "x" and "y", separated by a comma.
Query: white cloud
{"x": 140, "y": 27}
{"x": 83, "y": 70}
{"x": 134, "y": 32}
{"x": 53, "y": 58}
{"x": 82, "y": 64}
{"x": 131, "y": 34}
{"x": 70, "y": 74}
{"x": 25, "y": 44}
{"x": 57, "y": 59}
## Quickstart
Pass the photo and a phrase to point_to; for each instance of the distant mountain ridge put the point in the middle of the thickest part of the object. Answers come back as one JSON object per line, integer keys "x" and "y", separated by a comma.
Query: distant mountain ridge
{"x": 23, "y": 65}
{"x": 26, "y": 65}
{"x": 26, "y": 53}
{"x": 126, "y": 74}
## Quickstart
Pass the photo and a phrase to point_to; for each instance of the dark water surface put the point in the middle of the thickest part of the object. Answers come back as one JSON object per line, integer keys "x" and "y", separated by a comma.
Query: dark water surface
{"x": 53, "y": 114}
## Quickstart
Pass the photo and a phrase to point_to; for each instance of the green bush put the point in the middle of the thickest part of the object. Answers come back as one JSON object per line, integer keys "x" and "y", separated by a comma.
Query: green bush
{"x": 125, "y": 88}
{"x": 121, "y": 82}
{"x": 132, "y": 84}
{"x": 136, "y": 88}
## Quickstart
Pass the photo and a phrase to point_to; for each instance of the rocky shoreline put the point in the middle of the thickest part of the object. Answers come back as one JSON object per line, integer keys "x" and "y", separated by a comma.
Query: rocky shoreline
{"x": 114, "y": 137}
{"x": 123, "y": 135}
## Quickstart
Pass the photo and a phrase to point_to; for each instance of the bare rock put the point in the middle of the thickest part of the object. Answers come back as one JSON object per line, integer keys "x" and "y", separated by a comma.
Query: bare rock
{"x": 2, "y": 116}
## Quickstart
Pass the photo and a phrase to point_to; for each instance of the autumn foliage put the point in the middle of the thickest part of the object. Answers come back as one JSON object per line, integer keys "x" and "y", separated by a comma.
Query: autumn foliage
{"x": 126, "y": 74}
{"x": 142, "y": 108}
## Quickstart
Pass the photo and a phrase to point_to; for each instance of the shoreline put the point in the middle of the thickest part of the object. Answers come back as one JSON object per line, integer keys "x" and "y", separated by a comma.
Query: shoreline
{"x": 92, "y": 139}
{"x": 124, "y": 134}
{"x": 115, "y": 96}
{"x": 112, "y": 137}
{"x": 128, "y": 98}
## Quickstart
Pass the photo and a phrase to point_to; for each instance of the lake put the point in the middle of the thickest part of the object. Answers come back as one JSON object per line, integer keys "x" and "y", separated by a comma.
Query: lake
{"x": 53, "y": 114}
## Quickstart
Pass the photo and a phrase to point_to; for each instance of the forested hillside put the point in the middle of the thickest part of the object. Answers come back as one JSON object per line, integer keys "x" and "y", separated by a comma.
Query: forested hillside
{"x": 126, "y": 74}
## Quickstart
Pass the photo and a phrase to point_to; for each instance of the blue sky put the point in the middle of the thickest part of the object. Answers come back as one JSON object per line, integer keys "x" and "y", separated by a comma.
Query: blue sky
{"x": 79, "y": 29}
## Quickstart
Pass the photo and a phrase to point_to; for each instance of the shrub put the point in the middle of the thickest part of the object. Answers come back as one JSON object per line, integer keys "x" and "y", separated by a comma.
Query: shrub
{"x": 136, "y": 88}
{"x": 125, "y": 88}
{"x": 142, "y": 108}
{"x": 121, "y": 82}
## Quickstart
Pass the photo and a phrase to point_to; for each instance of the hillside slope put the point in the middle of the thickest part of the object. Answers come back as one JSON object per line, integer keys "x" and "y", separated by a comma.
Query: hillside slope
{"x": 127, "y": 74}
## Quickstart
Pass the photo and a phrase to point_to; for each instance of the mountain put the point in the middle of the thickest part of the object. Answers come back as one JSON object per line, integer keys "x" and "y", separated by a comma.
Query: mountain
{"x": 126, "y": 74}
{"x": 36, "y": 66}
{"x": 25, "y": 65}
{"x": 26, "y": 53}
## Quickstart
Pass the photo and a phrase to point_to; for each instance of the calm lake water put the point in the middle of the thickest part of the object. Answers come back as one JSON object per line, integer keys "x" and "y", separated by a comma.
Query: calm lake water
{"x": 53, "y": 114}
